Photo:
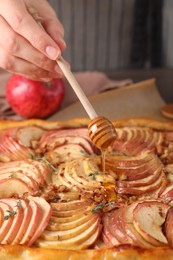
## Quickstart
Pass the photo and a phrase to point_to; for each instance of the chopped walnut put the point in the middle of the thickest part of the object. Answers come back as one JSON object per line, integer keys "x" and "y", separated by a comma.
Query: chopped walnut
{"x": 53, "y": 157}
{"x": 34, "y": 144}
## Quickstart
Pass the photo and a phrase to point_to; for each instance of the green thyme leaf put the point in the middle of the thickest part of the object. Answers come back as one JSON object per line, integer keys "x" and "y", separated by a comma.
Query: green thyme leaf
{"x": 18, "y": 205}
{"x": 31, "y": 155}
{"x": 11, "y": 213}
{"x": 97, "y": 207}
{"x": 92, "y": 175}
{"x": 84, "y": 153}
{"x": 102, "y": 205}
{"x": 44, "y": 160}
{"x": 12, "y": 175}
{"x": 117, "y": 153}
{"x": 87, "y": 154}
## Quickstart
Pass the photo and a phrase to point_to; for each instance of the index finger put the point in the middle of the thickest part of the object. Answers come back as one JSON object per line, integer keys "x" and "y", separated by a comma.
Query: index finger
{"x": 17, "y": 16}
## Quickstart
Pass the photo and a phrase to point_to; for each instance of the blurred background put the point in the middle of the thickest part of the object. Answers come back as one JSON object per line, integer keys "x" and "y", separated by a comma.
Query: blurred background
{"x": 124, "y": 38}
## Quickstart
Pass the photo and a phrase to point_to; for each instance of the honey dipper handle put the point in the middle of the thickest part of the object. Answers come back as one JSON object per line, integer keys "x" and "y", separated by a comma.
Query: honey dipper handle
{"x": 77, "y": 89}
{"x": 69, "y": 75}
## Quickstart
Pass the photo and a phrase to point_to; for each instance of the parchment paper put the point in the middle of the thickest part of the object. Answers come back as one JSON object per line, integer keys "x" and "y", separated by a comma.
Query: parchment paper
{"x": 137, "y": 100}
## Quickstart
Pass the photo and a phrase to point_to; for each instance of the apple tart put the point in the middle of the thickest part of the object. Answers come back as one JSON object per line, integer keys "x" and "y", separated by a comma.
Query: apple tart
{"x": 60, "y": 198}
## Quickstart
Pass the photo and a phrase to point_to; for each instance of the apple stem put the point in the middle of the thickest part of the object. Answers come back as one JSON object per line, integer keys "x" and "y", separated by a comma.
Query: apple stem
{"x": 48, "y": 84}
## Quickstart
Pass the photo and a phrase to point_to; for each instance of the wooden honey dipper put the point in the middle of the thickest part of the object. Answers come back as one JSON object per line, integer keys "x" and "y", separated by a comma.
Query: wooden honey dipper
{"x": 101, "y": 130}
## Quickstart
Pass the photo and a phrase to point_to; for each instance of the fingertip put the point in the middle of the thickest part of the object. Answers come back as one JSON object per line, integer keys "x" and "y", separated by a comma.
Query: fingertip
{"x": 52, "y": 52}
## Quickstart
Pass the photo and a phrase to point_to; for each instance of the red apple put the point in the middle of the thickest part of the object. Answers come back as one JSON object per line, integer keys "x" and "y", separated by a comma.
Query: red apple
{"x": 34, "y": 99}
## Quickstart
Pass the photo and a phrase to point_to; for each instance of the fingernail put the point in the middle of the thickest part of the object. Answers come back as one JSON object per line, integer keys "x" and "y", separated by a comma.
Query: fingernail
{"x": 52, "y": 52}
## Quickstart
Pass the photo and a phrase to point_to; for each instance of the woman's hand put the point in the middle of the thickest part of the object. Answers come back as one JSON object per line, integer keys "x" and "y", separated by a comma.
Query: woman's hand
{"x": 25, "y": 48}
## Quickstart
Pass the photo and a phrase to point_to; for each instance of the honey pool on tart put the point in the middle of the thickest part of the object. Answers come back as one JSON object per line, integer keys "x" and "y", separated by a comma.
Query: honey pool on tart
{"x": 55, "y": 192}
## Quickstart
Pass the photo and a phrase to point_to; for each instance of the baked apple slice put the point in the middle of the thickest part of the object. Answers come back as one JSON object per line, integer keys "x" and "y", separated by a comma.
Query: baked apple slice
{"x": 135, "y": 140}
{"x": 67, "y": 234}
{"x": 55, "y": 138}
{"x": 143, "y": 189}
{"x": 113, "y": 230}
{"x": 67, "y": 213}
{"x": 81, "y": 241}
{"x": 70, "y": 225}
{"x": 168, "y": 227}
{"x": 45, "y": 217}
{"x": 148, "y": 218}
{"x": 26, "y": 135}
{"x": 126, "y": 222}
{"x": 19, "y": 175}
{"x": 68, "y": 152}
{"x": 17, "y": 210}
{"x": 70, "y": 206}
{"x": 38, "y": 171}
{"x": 109, "y": 233}
{"x": 12, "y": 149}
{"x": 24, "y": 223}
{"x": 13, "y": 186}
{"x": 6, "y": 219}
{"x": 33, "y": 224}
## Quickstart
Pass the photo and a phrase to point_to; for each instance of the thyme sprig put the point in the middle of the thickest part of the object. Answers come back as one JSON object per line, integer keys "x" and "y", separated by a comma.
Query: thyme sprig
{"x": 92, "y": 175}
{"x": 13, "y": 212}
{"x": 97, "y": 207}
{"x": 87, "y": 154}
{"x": 42, "y": 159}
{"x": 102, "y": 205}
{"x": 118, "y": 153}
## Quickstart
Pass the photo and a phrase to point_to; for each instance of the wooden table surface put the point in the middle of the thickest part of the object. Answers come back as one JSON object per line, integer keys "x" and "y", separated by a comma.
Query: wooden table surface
{"x": 163, "y": 76}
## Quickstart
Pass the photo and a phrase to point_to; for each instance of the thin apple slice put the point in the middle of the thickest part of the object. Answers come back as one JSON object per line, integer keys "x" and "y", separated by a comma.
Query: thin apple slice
{"x": 33, "y": 224}
{"x": 17, "y": 219}
{"x": 80, "y": 141}
{"x": 134, "y": 140}
{"x": 50, "y": 140}
{"x": 27, "y": 215}
{"x": 115, "y": 228}
{"x": 15, "y": 150}
{"x": 62, "y": 220}
{"x": 45, "y": 217}
{"x": 12, "y": 186}
{"x": 108, "y": 233}
{"x": 19, "y": 175}
{"x": 168, "y": 227}
{"x": 139, "y": 172}
{"x": 24, "y": 135}
{"x": 81, "y": 241}
{"x": 106, "y": 240}
{"x": 69, "y": 152}
{"x": 26, "y": 167}
{"x": 98, "y": 244}
{"x": 7, "y": 219}
{"x": 148, "y": 218}
{"x": 42, "y": 168}
{"x": 83, "y": 173}
{"x": 126, "y": 222}
{"x": 67, "y": 234}
{"x": 143, "y": 190}
{"x": 70, "y": 205}
{"x": 67, "y": 213}
{"x": 70, "y": 225}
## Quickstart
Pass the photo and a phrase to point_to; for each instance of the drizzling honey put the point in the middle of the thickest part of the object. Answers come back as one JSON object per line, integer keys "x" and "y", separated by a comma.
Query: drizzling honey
{"x": 103, "y": 160}
{"x": 102, "y": 133}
